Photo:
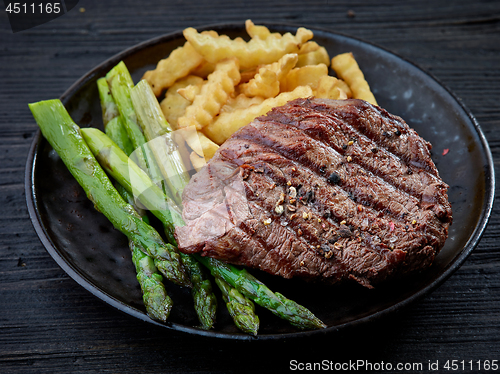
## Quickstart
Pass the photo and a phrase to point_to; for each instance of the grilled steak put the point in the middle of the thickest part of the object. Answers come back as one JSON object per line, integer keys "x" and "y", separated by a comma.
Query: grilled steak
{"x": 320, "y": 189}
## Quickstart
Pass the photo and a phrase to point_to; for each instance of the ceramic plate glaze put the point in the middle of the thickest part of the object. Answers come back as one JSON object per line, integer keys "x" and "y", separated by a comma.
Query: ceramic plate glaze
{"x": 96, "y": 255}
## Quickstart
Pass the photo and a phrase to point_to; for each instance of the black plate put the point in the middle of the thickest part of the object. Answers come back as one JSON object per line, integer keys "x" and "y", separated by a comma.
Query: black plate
{"x": 96, "y": 255}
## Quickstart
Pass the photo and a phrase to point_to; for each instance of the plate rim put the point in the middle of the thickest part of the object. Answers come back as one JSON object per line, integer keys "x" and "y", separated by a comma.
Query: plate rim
{"x": 81, "y": 280}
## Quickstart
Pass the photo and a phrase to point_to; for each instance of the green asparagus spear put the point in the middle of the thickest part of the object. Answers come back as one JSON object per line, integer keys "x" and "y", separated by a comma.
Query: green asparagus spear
{"x": 113, "y": 125}
{"x": 257, "y": 291}
{"x": 66, "y": 139}
{"x": 158, "y": 304}
{"x": 159, "y": 136}
{"x": 108, "y": 105}
{"x": 134, "y": 179}
{"x": 204, "y": 299}
{"x": 156, "y": 300}
{"x": 129, "y": 198}
{"x": 120, "y": 83}
{"x": 154, "y": 295}
{"x": 154, "y": 125}
{"x": 205, "y": 302}
{"x": 241, "y": 309}
{"x": 278, "y": 304}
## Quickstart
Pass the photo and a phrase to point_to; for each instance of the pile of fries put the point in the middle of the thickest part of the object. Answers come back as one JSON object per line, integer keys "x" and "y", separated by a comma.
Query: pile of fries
{"x": 216, "y": 85}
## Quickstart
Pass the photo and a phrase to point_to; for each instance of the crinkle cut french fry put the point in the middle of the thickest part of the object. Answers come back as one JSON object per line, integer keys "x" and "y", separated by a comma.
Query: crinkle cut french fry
{"x": 174, "y": 105}
{"x": 177, "y": 65}
{"x": 214, "y": 93}
{"x": 204, "y": 69}
{"x": 319, "y": 56}
{"x": 266, "y": 82}
{"x": 344, "y": 87}
{"x": 310, "y": 46}
{"x": 257, "y": 31}
{"x": 189, "y": 92}
{"x": 197, "y": 161}
{"x": 200, "y": 143}
{"x": 250, "y": 54}
{"x": 307, "y": 75}
{"x": 241, "y": 102}
{"x": 208, "y": 146}
{"x": 348, "y": 70}
{"x": 330, "y": 88}
{"x": 229, "y": 122}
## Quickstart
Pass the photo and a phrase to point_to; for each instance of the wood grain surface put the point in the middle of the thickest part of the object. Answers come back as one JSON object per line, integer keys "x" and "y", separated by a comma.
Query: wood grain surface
{"x": 49, "y": 324}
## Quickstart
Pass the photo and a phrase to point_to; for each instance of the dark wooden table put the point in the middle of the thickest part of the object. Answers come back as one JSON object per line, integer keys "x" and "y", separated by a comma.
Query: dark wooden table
{"x": 49, "y": 324}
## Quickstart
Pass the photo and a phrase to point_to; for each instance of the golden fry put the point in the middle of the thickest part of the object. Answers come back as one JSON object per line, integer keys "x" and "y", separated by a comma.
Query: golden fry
{"x": 255, "y": 31}
{"x": 229, "y": 122}
{"x": 189, "y": 92}
{"x": 310, "y": 46}
{"x": 197, "y": 161}
{"x": 253, "y": 53}
{"x": 174, "y": 105}
{"x": 204, "y": 69}
{"x": 240, "y": 102}
{"x": 344, "y": 87}
{"x": 284, "y": 65}
{"x": 318, "y": 56}
{"x": 266, "y": 82}
{"x": 348, "y": 70}
{"x": 209, "y": 147}
{"x": 330, "y": 88}
{"x": 307, "y": 75}
{"x": 248, "y": 74}
{"x": 180, "y": 62}
{"x": 214, "y": 93}
{"x": 199, "y": 143}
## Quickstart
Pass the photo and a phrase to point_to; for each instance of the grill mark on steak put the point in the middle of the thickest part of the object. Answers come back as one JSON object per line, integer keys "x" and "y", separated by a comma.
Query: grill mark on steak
{"x": 286, "y": 258}
{"x": 244, "y": 230}
{"x": 351, "y": 182}
{"x": 264, "y": 202}
{"x": 280, "y": 259}
{"x": 256, "y": 235}
{"x": 388, "y": 130}
{"x": 279, "y": 171}
{"x": 354, "y": 223}
{"x": 369, "y": 154}
{"x": 292, "y": 144}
